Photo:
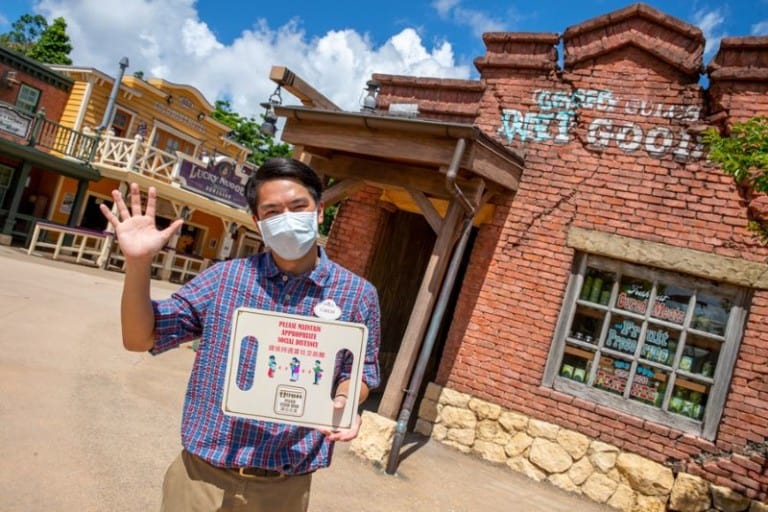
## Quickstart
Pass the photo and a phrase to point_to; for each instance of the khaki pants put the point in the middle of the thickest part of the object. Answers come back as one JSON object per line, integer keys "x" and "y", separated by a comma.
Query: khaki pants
{"x": 193, "y": 485}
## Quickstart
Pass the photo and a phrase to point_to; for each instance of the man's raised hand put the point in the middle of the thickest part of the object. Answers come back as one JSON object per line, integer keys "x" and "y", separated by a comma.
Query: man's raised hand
{"x": 137, "y": 234}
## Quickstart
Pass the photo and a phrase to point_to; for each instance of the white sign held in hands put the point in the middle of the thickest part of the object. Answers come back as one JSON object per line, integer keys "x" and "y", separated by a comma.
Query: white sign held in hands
{"x": 280, "y": 368}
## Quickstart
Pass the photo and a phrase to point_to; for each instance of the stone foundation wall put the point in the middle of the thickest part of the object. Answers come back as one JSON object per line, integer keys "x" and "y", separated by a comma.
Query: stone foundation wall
{"x": 568, "y": 459}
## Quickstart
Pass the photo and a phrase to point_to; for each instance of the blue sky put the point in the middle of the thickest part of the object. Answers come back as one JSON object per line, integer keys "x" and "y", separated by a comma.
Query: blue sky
{"x": 225, "y": 48}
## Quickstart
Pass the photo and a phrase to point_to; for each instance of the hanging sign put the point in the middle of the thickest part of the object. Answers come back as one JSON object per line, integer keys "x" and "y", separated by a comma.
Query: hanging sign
{"x": 14, "y": 122}
{"x": 223, "y": 180}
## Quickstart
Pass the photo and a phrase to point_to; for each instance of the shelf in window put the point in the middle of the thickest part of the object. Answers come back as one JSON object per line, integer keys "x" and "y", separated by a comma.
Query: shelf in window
{"x": 594, "y": 305}
{"x": 707, "y": 335}
{"x": 657, "y": 367}
{"x": 578, "y": 352}
{"x": 689, "y": 384}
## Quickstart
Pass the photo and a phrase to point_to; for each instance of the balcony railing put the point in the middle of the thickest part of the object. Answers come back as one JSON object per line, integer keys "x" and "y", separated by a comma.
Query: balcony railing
{"x": 121, "y": 154}
{"x": 41, "y": 133}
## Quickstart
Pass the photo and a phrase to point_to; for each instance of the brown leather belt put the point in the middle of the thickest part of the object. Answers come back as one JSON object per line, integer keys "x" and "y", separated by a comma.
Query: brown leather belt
{"x": 258, "y": 473}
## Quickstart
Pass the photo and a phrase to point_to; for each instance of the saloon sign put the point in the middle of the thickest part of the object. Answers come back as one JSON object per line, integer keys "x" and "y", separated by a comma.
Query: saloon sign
{"x": 14, "y": 122}
{"x": 222, "y": 181}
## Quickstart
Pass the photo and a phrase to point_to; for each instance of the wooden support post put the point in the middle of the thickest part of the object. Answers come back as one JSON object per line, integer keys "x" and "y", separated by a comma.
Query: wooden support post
{"x": 421, "y": 313}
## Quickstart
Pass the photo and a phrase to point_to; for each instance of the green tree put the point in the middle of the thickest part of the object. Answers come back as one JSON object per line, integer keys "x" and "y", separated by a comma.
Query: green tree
{"x": 245, "y": 130}
{"x": 24, "y": 33}
{"x": 743, "y": 154}
{"x": 32, "y": 36}
{"x": 53, "y": 47}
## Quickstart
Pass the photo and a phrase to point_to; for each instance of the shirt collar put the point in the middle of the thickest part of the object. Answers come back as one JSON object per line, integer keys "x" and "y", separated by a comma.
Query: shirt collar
{"x": 318, "y": 275}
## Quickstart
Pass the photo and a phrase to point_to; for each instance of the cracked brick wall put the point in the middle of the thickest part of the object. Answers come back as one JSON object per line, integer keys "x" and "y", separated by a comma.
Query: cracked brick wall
{"x": 607, "y": 117}
{"x": 610, "y": 142}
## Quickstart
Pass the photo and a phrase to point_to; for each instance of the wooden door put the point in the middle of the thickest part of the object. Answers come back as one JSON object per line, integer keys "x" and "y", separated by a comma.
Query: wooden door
{"x": 397, "y": 270}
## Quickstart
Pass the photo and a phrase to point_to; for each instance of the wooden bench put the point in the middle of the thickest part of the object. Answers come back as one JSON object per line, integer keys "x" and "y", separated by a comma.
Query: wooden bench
{"x": 185, "y": 267}
{"x": 85, "y": 245}
{"x": 117, "y": 260}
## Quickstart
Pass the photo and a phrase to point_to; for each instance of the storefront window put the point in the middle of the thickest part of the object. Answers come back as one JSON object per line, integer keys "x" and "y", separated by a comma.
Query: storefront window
{"x": 653, "y": 340}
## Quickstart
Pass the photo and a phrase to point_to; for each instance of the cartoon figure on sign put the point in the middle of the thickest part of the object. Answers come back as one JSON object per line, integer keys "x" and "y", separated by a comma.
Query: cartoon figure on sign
{"x": 272, "y": 367}
{"x": 295, "y": 369}
{"x": 318, "y": 371}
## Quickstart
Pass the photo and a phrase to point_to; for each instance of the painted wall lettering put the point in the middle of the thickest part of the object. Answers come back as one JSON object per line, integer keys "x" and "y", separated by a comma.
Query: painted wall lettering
{"x": 555, "y": 112}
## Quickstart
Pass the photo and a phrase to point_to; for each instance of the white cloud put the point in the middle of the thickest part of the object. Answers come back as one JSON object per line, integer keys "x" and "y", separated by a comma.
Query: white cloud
{"x": 760, "y": 29}
{"x": 478, "y": 21}
{"x": 710, "y": 22}
{"x": 444, "y": 7}
{"x": 168, "y": 40}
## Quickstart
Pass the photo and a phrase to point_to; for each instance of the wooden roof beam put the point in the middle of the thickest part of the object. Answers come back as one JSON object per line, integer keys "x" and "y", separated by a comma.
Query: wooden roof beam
{"x": 388, "y": 174}
{"x": 309, "y": 96}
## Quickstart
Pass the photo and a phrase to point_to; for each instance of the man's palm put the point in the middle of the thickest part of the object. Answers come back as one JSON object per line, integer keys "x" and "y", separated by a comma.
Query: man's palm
{"x": 137, "y": 234}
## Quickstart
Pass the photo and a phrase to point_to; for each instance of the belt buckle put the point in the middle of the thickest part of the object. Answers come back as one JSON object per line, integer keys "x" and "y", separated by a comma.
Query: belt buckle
{"x": 265, "y": 473}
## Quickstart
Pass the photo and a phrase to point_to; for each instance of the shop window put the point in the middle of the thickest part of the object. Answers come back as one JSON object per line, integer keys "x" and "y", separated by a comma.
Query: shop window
{"x": 648, "y": 342}
{"x": 28, "y": 98}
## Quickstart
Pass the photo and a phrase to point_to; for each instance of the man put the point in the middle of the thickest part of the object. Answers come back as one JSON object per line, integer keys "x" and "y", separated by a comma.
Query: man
{"x": 230, "y": 463}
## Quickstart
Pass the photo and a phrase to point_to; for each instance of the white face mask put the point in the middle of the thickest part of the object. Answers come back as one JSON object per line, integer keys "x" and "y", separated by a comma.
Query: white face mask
{"x": 290, "y": 235}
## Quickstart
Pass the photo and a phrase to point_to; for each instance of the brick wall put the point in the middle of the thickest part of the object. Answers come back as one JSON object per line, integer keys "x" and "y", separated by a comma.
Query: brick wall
{"x": 609, "y": 145}
{"x": 54, "y": 91}
{"x": 355, "y": 230}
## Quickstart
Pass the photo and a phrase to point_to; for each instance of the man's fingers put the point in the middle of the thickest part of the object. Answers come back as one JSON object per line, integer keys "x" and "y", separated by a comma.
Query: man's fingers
{"x": 339, "y": 402}
{"x": 122, "y": 210}
{"x": 108, "y": 214}
{"x": 135, "y": 200}
{"x": 346, "y": 434}
{"x": 168, "y": 232}
{"x": 151, "y": 201}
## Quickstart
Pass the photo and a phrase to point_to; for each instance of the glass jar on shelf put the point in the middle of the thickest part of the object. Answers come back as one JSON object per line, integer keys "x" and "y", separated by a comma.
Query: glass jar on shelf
{"x": 597, "y": 288}
{"x": 686, "y": 360}
{"x": 676, "y": 402}
{"x": 696, "y": 409}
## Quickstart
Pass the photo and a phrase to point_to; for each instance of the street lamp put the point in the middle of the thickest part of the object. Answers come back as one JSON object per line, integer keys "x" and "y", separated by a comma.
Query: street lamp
{"x": 369, "y": 102}
{"x": 269, "y": 126}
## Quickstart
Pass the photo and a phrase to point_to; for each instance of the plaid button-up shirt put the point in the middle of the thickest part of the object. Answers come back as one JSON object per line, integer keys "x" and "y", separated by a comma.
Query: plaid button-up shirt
{"x": 204, "y": 308}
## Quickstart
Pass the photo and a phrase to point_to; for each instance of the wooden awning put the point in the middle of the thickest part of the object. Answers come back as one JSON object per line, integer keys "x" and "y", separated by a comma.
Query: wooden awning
{"x": 401, "y": 153}
{"x": 446, "y": 171}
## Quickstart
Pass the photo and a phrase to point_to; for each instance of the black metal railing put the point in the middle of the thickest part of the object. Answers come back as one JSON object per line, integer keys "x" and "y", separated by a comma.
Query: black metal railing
{"x": 60, "y": 139}
{"x": 41, "y": 133}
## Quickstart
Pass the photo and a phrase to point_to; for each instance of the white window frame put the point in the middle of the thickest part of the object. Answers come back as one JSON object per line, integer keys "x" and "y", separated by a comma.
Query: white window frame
{"x": 720, "y": 382}
{"x": 25, "y": 105}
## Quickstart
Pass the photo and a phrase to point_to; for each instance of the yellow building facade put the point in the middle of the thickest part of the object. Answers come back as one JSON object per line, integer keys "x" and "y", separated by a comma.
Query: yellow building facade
{"x": 160, "y": 134}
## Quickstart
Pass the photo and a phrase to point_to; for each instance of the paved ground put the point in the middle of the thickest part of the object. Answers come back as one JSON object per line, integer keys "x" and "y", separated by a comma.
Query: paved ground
{"x": 87, "y": 426}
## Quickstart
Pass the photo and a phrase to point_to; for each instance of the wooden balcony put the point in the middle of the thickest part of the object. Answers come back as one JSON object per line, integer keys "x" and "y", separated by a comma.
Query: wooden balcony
{"x": 117, "y": 155}
{"x": 40, "y": 133}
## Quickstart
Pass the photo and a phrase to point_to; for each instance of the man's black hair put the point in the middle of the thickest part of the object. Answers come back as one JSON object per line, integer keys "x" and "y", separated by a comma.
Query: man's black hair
{"x": 282, "y": 168}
